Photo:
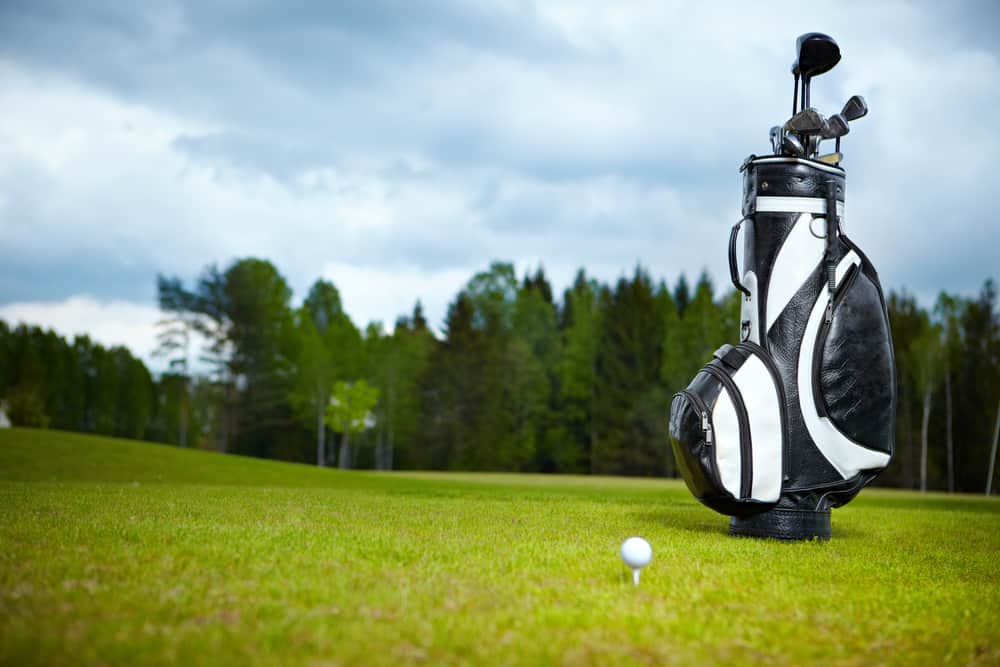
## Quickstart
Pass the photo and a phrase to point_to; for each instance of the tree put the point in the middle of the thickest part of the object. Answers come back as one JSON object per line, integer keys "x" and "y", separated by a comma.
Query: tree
{"x": 926, "y": 355}
{"x": 948, "y": 310}
{"x": 577, "y": 373}
{"x": 174, "y": 343}
{"x": 451, "y": 391}
{"x": 245, "y": 317}
{"x": 350, "y": 412}
{"x": 329, "y": 348}
{"x": 632, "y": 409}
{"x": 395, "y": 365}
{"x": 533, "y": 354}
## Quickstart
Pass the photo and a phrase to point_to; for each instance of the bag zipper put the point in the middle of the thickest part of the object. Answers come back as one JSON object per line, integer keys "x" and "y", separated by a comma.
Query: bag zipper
{"x": 706, "y": 421}
{"x": 708, "y": 428}
{"x": 824, "y": 330}
{"x": 746, "y": 449}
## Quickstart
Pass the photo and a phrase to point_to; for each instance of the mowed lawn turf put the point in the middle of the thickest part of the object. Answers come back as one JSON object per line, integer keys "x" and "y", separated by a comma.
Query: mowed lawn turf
{"x": 120, "y": 552}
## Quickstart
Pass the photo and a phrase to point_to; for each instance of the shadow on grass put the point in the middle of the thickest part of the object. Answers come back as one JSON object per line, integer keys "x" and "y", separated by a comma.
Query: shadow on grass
{"x": 680, "y": 516}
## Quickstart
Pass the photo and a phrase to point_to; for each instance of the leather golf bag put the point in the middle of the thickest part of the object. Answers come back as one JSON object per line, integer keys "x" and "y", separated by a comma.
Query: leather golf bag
{"x": 800, "y": 415}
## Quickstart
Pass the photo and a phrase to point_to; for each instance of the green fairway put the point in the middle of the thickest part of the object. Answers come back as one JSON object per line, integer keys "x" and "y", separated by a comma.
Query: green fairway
{"x": 118, "y": 552}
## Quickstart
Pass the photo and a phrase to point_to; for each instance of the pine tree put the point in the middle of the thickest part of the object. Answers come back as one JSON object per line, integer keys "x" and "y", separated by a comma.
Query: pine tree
{"x": 577, "y": 372}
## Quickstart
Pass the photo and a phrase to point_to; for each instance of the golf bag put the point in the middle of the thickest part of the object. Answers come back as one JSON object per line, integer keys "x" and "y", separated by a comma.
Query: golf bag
{"x": 800, "y": 415}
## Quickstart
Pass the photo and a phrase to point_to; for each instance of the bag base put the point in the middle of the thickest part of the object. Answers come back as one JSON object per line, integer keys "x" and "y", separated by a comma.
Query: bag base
{"x": 783, "y": 524}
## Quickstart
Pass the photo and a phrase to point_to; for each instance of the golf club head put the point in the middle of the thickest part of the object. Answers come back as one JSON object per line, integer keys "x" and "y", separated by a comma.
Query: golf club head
{"x": 791, "y": 146}
{"x": 812, "y": 144}
{"x": 855, "y": 108}
{"x": 775, "y": 136}
{"x": 836, "y": 127}
{"x": 817, "y": 53}
{"x": 831, "y": 158}
{"x": 807, "y": 120}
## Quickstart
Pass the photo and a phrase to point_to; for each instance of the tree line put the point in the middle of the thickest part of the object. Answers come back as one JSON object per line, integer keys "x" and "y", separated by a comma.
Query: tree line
{"x": 518, "y": 379}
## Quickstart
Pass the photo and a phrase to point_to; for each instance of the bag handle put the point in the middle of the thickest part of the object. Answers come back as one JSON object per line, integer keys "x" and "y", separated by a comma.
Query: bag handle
{"x": 734, "y": 269}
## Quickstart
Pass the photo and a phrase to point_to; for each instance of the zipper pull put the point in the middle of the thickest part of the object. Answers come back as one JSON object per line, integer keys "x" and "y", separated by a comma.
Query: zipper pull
{"x": 829, "y": 311}
{"x": 706, "y": 427}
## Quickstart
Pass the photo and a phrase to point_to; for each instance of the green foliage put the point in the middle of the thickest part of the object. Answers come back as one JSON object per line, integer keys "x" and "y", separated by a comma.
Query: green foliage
{"x": 515, "y": 380}
{"x": 350, "y": 412}
{"x": 49, "y": 382}
{"x": 350, "y": 406}
{"x": 119, "y": 552}
{"x": 631, "y": 412}
{"x": 577, "y": 376}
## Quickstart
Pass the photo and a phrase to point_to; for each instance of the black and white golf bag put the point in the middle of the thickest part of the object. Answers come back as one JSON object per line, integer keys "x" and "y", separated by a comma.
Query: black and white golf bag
{"x": 800, "y": 415}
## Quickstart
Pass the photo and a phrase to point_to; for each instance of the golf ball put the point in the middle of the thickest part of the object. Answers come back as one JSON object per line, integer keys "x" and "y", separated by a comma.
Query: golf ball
{"x": 636, "y": 552}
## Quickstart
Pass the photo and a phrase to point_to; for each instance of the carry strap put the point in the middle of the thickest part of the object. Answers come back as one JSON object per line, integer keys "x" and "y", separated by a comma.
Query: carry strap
{"x": 734, "y": 269}
{"x": 832, "y": 236}
{"x": 730, "y": 356}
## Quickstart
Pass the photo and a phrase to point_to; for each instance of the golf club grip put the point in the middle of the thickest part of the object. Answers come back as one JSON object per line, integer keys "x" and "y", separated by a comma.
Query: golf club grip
{"x": 734, "y": 271}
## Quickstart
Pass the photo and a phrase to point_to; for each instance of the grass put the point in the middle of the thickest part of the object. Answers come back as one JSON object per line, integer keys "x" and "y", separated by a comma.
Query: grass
{"x": 118, "y": 552}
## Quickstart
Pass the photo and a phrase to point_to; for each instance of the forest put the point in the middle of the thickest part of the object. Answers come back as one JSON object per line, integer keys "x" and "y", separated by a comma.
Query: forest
{"x": 516, "y": 378}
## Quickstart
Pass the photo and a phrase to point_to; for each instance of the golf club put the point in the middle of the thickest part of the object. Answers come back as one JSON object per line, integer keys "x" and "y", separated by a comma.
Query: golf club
{"x": 806, "y": 121}
{"x": 855, "y": 108}
{"x": 817, "y": 53}
{"x": 791, "y": 146}
{"x": 837, "y": 127}
{"x": 775, "y": 135}
{"x": 795, "y": 93}
{"x": 830, "y": 158}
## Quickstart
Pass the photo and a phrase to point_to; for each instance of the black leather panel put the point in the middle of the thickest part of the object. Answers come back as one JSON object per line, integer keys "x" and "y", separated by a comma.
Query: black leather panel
{"x": 693, "y": 455}
{"x": 856, "y": 374}
{"x": 807, "y": 466}
{"x": 789, "y": 178}
{"x": 783, "y": 524}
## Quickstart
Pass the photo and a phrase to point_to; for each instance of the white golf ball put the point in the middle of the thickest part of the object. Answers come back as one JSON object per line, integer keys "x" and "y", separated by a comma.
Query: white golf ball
{"x": 636, "y": 552}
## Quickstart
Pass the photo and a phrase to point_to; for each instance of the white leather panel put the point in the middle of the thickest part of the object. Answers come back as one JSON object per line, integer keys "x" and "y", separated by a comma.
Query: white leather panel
{"x": 816, "y": 205}
{"x": 748, "y": 309}
{"x": 796, "y": 260}
{"x": 760, "y": 396}
{"x": 727, "y": 442}
{"x": 846, "y": 456}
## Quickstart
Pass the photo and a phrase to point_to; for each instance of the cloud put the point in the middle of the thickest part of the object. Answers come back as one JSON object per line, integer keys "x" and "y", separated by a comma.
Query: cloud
{"x": 398, "y": 150}
{"x": 109, "y": 322}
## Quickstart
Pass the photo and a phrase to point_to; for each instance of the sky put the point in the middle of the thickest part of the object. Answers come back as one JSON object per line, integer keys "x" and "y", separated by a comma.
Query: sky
{"x": 396, "y": 148}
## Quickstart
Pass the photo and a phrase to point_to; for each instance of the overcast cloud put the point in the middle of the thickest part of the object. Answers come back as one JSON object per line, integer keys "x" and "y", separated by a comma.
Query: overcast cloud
{"x": 397, "y": 147}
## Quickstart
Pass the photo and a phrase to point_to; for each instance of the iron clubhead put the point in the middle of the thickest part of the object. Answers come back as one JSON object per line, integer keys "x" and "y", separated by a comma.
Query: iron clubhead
{"x": 775, "y": 135}
{"x": 808, "y": 120}
{"x": 817, "y": 53}
{"x": 791, "y": 146}
{"x": 830, "y": 158}
{"x": 855, "y": 108}
{"x": 836, "y": 127}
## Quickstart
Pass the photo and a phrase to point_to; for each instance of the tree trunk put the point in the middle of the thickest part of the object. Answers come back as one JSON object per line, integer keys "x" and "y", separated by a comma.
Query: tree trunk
{"x": 923, "y": 440}
{"x": 184, "y": 417}
{"x": 344, "y": 460}
{"x": 320, "y": 437}
{"x": 993, "y": 454}
{"x": 389, "y": 451}
{"x": 379, "y": 449}
{"x": 909, "y": 480}
{"x": 948, "y": 441}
